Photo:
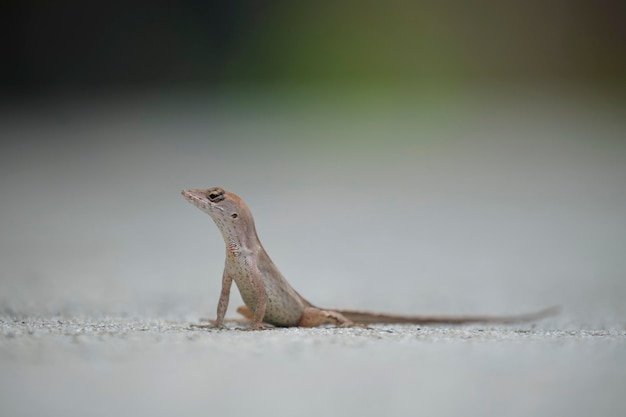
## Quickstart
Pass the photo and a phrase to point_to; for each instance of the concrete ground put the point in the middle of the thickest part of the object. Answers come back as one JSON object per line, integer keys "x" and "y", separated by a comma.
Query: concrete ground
{"x": 477, "y": 204}
{"x": 121, "y": 366}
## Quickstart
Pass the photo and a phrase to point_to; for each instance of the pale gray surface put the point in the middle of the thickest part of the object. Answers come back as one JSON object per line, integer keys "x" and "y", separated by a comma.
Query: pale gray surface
{"x": 113, "y": 366}
{"x": 481, "y": 204}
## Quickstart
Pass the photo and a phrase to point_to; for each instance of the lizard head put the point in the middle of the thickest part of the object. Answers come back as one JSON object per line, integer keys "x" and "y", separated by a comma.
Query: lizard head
{"x": 228, "y": 211}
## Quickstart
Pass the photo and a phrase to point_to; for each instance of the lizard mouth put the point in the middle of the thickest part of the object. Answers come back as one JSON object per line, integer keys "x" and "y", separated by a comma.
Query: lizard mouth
{"x": 195, "y": 197}
{"x": 190, "y": 195}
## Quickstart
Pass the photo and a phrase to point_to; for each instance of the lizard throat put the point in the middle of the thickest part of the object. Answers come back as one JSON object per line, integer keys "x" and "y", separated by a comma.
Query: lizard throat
{"x": 233, "y": 248}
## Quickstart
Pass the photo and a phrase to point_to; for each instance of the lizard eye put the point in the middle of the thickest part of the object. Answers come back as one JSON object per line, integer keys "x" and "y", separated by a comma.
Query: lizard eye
{"x": 234, "y": 215}
{"x": 215, "y": 195}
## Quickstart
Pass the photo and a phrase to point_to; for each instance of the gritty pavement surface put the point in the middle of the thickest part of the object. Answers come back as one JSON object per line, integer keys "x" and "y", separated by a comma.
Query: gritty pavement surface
{"x": 117, "y": 366}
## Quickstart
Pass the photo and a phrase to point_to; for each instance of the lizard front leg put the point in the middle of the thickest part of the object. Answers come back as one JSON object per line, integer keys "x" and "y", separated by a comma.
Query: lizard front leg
{"x": 222, "y": 304}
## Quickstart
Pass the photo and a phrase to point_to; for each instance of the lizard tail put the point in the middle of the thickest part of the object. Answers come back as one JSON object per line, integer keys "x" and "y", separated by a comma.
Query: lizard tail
{"x": 364, "y": 317}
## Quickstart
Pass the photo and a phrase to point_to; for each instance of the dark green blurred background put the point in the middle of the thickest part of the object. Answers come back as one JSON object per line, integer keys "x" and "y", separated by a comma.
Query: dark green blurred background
{"x": 75, "y": 46}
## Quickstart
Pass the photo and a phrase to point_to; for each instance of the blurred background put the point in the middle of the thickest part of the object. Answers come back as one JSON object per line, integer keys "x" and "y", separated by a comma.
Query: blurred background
{"x": 403, "y": 156}
{"x": 409, "y": 156}
{"x": 71, "y": 47}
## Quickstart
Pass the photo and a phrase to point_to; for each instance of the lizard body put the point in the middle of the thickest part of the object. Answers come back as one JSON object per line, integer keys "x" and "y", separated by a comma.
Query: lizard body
{"x": 267, "y": 295}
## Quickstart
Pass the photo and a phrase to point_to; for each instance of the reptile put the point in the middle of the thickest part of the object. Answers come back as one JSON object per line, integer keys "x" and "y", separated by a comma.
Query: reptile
{"x": 268, "y": 296}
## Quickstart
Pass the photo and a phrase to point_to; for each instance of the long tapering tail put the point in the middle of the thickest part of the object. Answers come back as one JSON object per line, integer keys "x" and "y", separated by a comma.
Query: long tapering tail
{"x": 364, "y": 317}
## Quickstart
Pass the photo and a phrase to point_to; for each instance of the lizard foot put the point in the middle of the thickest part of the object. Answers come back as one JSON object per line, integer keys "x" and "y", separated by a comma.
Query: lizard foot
{"x": 255, "y": 327}
{"x": 314, "y": 317}
{"x": 352, "y": 324}
{"x": 212, "y": 325}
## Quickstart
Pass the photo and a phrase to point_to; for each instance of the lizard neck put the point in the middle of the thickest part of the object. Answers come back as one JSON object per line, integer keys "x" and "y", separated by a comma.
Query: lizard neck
{"x": 240, "y": 240}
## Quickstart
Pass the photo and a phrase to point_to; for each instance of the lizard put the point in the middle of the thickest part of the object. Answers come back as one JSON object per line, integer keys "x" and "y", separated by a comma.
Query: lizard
{"x": 268, "y": 296}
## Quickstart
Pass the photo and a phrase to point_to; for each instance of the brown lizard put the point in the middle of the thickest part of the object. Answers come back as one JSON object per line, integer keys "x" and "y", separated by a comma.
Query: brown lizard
{"x": 267, "y": 295}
